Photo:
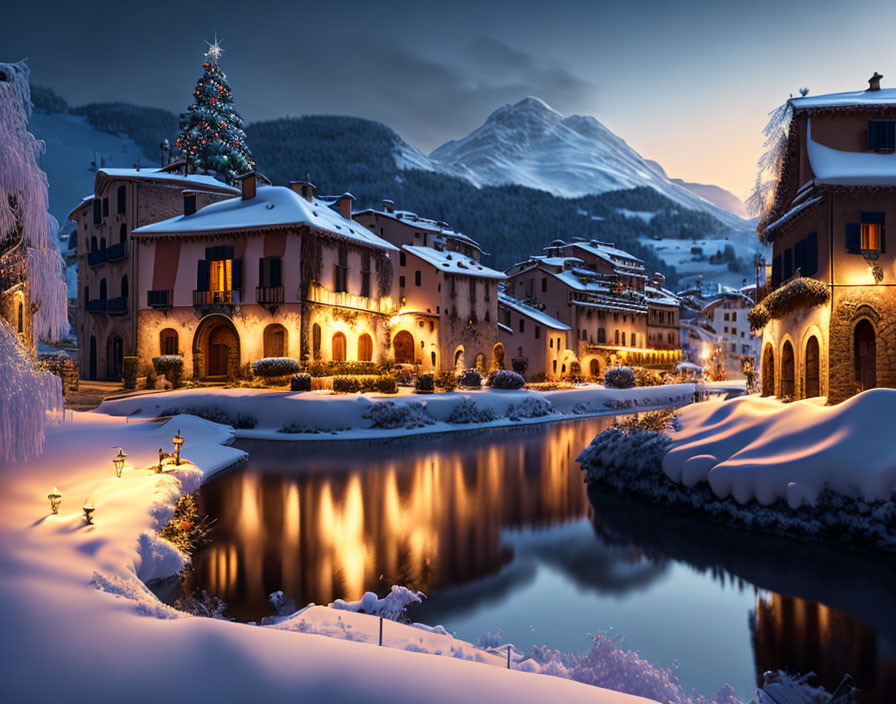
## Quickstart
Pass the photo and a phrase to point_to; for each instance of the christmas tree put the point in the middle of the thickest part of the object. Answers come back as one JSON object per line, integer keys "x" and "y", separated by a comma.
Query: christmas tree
{"x": 211, "y": 131}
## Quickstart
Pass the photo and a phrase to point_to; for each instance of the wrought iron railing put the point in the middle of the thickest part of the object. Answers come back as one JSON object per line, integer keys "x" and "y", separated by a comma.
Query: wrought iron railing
{"x": 213, "y": 298}
{"x": 97, "y": 305}
{"x": 117, "y": 306}
{"x": 116, "y": 252}
{"x": 319, "y": 294}
{"x": 96, "y": 258}
{"x": 269, "y": 294}
{"x": 159, "y": 298}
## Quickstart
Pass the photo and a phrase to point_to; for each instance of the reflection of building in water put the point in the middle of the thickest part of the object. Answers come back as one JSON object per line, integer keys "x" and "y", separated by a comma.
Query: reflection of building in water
{"x": 804, "y": 636}
{"x": 429, "y": 521}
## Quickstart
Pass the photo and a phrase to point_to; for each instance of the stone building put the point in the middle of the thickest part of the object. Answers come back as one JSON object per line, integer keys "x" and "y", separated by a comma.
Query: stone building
{"x": 15, "y": 298}
{"x": 828, "y": 322}
{"x": 274, "y": 272}
{"x": 106, "y": 309}
{"x": 537, "y": 344}
{"x": 447, "y": 299}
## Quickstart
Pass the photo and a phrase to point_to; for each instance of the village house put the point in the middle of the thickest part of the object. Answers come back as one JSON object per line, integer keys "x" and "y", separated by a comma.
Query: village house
{"x": 15, "y": 297}
{"x": 274, "y": 272}
{"x": 728, "y": 313}
{"x": 827, "y": 323}
{"x": 538, "y": 344}
{"x": 600, "y": 292}
{"x": 122, "y": 201}
{"x": 447, "y": 300}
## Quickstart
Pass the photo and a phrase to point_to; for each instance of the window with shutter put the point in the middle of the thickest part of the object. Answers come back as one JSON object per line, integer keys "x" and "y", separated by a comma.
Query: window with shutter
{"x": 776, "y": 271}
{"x": 788, "y": 264}
{"x": 811, "y": 254}
{"x": 799, "y": 257}
{"x": 871, "y": 234}
{"x": 852, "y": 241}
{"x": 882, "y": 135}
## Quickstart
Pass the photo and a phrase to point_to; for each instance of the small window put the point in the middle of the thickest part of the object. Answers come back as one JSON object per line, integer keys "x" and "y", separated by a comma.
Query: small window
{"x": 418, "y": 278}
{"x": 551, "y": 343}
{"x": 870, "y": 236}
{"x": 544, "y": 284}
{"x": 401, "y": 281}
{"x": 522, "y": 325}
{"x": 538, "y": 332}
{"x": 555, "y": 366}
{"x": 882, "y": 135}
{"x": 122, "y": 199}
{"x": 402, "y": 259}
{"x": 105, "y": 207}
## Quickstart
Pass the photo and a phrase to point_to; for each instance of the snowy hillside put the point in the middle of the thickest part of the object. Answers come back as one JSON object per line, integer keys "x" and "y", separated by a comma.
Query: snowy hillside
{"x": 531, "y": 144}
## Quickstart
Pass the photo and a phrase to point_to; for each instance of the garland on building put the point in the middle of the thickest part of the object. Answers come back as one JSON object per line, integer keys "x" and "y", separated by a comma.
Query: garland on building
{"x": 211, "y": 131}
{"x": 798, "y": 293}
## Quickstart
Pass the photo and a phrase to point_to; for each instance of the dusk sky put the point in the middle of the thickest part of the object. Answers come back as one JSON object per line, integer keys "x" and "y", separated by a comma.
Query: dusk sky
{"x": 687, "y": 83}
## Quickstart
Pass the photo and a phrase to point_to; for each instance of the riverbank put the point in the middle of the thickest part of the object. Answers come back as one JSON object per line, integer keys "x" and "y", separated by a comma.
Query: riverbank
{"x": 261, "y": 414}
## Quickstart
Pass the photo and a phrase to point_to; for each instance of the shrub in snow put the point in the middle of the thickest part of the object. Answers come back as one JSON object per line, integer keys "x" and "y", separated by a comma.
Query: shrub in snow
{"x": 202, "y": 604}
{"x": 300, "y": 382}
{"x": 386, "y": 384}
{"x": 656, "y": 421}
{"x": 647, "y": 377}
{"x": 530, "y": 407}
{"x": 505, "y": 379}
{"x": 617, "y": 451}
{"x": 171, "y": 365}
{"x": 215, "y": 415}
{"x": 389, "y": 415}
{"x": 491, "y": 640}
{"x": 320, "y": 368}
{"x": 281, "y": 605}
{"x": 471, "y": 379}
{"x": 447, "y": 381}
{"x": 425, "y": 384}
{"x": 346, "y": 385}
{"x": 129, "y": 372}
{"x": 392, "y": 606}
{"x": 619, "y": 378}
{"x": 468, "y": 412}
{"x": 275, "y": 366}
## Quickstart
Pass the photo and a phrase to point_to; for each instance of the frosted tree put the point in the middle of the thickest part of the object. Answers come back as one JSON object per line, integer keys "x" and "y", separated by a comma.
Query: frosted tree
{"x": 29, "y": 255}
{"x": 211, "y": 130}
{"x": 769, "y": 165}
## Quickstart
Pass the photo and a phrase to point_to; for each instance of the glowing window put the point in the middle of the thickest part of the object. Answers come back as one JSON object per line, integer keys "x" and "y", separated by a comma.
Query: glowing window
{"x": 870, "y": 236}
{"x": 220, "y": 275}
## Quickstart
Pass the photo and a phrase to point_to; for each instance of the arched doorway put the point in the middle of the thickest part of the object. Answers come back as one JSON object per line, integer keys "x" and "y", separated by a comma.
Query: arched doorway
{"x": 594, "y": 369}
{"x": 168, "y": 341}
{"x": 91, "y": 370}
{"x": 365, "y": 348}
{"x": 813, "y": 372}
{"x": 275, "y": 340}
{"x": 865, "y": 355}
{"x": 787, "y": 375}
{"x": 459, "y": 358}
{"x": 480, "y": 363}
{"x": 20, "y": 317}
{"x": 114, "y": 356}
{"x": 216, "y": 348}
{"x": 768, "y": 371}
{"x": 403, "y": 347}
{"x": 498, "y": 356}
{"x": 315, "y": 341}
{"x": 339, "y": 347}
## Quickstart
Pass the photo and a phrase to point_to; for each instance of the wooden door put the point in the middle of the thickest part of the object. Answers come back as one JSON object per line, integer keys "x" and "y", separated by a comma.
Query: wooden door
{"x": 865, "y": 356}
{"x": 813, "y": 381}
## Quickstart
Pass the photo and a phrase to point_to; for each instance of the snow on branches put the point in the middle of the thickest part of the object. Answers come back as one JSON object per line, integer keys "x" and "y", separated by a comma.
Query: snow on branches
{"x": 24, "y": 220}
{"x": 770, "y": 164}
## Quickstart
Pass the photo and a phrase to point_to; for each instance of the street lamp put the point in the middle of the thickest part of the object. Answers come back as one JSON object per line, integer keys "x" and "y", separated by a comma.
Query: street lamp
{"x": 118, "y": 462}
{"x": 88, "y": 513}
{"x": 177, "y": 441}
{"x": 55, "y": 498}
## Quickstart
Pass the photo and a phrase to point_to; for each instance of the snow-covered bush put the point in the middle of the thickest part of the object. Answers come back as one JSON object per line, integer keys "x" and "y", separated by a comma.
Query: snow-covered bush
{"x": 468, "y": 412}
{"x": 505, "y": 379}
{"x": 619, "y": 378}
{"x": 647, "y": 377}
{"x": 425, "y": 384}
{"x": 386, "y": 384}
{"x": 215, "y": 415}
{"x": 275, "y": 366}
{"x": 656, "y": 421}
{"x": 618, "y": 451}
{"x": 389, "y": 415}
{"x": 281, "y": 605}
{"x": 471, "y": 379}
{"x": 346, "y": 385}
{"x": 392, "y": 606}
{"x": 333, "y": 368}
{"x": 447, "y": 381}
{"x": 171, "y": 365}
{"x": 300, "y": 382}
{"x": 530, "y": 407}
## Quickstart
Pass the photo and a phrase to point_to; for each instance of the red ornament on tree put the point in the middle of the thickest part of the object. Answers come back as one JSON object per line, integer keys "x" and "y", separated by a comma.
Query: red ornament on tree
{"x": 214, "y": 100}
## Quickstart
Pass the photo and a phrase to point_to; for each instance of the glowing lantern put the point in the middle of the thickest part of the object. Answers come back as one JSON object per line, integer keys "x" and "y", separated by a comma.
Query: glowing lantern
{"x": 88, "y": 513}
{"x": 177, "y": 441}
{"x": 118, "y": 462}
{"x": 55, "y": 498}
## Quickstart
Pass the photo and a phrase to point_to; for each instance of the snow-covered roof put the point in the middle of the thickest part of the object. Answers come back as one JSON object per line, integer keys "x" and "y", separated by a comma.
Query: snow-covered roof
{"x": 421, "y": 223}
{"x": 855, "y": 98}
{"x": 188, "y": 181}
{"x": 453, "y": 262}
{"x": 793, "y": 212}
{"x": 272, "y": 206}
{"x": 661, "y": 296}
{"x": 842, "y": 168}
{"x": 606, "y": 251}
{"x": 557, "y": 261}
{"x": 530, "y": 312}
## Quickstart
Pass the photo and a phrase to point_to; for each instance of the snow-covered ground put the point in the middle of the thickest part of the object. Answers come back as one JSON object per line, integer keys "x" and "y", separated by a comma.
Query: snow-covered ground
{"x": 371, "y": 416}
{"x": 79, "y": 623}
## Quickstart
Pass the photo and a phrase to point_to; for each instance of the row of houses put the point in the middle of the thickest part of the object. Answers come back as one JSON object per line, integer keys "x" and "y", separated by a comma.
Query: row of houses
{"x": 176, "y": 263}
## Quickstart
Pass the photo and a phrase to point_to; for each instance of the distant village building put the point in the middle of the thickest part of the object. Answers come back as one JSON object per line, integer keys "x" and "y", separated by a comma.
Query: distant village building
{"x": 447, "y": 300}
{"x": 538, "y": 345}
{"x": 728, "y": 313}
{"x": 600, "y": 292}
{"x": 274, "y": 272}
{"x": 123, "y": 200}
{"x": 827, "y": 323}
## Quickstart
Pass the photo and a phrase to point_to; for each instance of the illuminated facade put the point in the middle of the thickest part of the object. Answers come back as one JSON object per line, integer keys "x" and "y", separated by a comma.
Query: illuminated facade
{"x": 273, "y": 273}
{"x": 538, "y": 345}
{"x": 827, "y": 322}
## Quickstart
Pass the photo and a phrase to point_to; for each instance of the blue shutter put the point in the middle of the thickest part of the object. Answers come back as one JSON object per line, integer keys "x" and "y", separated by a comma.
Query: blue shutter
{"x": 276, "y": 272}
{"x": 236, "y": 274}
{"x": 788, "y": 264}
{"x": 799, "y": 257}
{"x": 776, "y": 271}
{"x": 202, "y": 275}
{"x": 852, "y": 237}
{"x": 812, "y": 254}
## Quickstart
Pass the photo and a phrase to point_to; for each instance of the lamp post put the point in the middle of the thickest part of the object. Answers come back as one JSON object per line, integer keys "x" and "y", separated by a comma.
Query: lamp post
{"x": 55, "y": 498}
{"x": 118, "y": 462}
{"x": 88, "y": 513}
{"x": 177, "y": 441}
{"x": 161, "y": 458}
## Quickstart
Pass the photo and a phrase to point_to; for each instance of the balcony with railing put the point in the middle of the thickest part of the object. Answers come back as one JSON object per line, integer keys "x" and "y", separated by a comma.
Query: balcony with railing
{"x": 269, "y": 294}
{"x": 116, "y": 252}
{"x": 117, "y": 306}
{"x": 160, "y": 298}
{"x": 216, "y": 298}
{"x": 97, "y": 305}
{"x": 626, "y": 301}
{"x": 96, "y": 258}
{"x": 319, "y": 294}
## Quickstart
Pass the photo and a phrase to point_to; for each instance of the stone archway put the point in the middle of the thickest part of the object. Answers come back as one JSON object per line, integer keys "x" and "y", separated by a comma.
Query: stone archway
{"x": 865, "y": 355}
{"x": 114, "y": 356}
{"x": 812, "y": 374}
{"x": 275, "y": 340}
{"x": 768, "y": 370}
{"x": 216, "y": 348}
{"x": 787, "y": 370}
{"x": 594, "y": 368}
{"x": 459, "y": 358}
{"x": 498, "y": 356}
{"x": 403, "y": 347}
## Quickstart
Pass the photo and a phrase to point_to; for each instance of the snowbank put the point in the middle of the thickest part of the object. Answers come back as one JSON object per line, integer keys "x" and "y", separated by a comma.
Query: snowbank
{"x": 283, "y": 415}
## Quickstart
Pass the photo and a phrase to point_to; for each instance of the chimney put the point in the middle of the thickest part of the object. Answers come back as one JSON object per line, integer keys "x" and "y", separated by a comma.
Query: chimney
{"x": 249, "y": 185}
{"x": 345, "y": 205}
{"x": 304, "y": 189}
{"x": 389, "y": 206}
{"x": 874, "y": 82}
{"x": 189, "y": 202}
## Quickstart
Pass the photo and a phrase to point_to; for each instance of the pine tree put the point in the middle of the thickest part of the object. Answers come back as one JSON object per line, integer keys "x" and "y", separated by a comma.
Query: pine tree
{"x": 211, "y": 131}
